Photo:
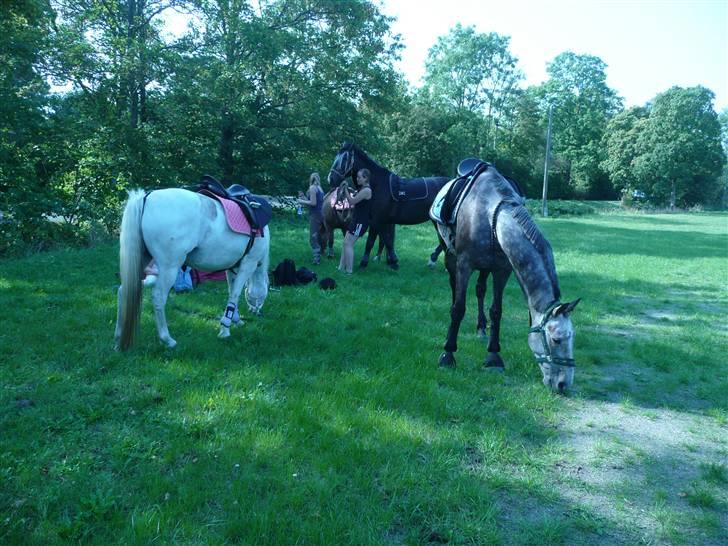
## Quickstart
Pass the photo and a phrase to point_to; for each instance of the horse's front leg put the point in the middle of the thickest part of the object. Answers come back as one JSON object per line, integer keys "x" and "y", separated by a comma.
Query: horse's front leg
{"x": 329, "y": 241}
{"x": 160, "y": 293}
{"x": 236, "y": 282}
{"x": 459, "y": 276}
{"x": 371, "y": 237}
{"x": 494, "y": 360}
{"x": 230, "y": 276}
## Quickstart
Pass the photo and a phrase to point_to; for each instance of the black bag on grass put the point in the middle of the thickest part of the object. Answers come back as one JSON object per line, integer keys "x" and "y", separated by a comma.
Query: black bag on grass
{"x": 285, "y": 273}
{"x": 305, "y": 276}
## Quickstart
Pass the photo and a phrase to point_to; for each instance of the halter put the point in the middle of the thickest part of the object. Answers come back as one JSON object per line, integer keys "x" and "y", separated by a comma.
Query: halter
{"x": 349, "y": 156}
{"x": 547, "y": 357}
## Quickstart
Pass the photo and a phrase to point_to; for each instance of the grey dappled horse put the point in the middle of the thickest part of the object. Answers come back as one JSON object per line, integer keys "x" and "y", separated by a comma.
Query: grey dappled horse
{"x": 495, "y": 235}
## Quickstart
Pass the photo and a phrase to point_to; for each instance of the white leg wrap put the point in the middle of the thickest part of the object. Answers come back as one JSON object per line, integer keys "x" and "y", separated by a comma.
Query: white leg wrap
{"x": 231, "y": 311}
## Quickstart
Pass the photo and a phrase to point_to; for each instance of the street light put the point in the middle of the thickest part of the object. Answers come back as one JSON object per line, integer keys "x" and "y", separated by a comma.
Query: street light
{"x": 545, "y": 209}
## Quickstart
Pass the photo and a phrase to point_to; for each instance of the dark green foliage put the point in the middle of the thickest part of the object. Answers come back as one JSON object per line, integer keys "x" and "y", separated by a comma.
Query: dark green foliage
{"x": 265, "y": 94}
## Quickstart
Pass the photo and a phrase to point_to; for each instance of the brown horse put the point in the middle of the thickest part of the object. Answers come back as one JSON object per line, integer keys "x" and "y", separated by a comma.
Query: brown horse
{"x": 337, "y": 214}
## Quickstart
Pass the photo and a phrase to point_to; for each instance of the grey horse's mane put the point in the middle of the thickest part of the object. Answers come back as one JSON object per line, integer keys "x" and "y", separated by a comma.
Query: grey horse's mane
{"x": 530, "y": 229}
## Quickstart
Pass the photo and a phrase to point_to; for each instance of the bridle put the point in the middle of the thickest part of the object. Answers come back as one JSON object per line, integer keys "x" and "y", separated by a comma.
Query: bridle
{"x": 347, "y": 159}
{"x": 547, "y": 357}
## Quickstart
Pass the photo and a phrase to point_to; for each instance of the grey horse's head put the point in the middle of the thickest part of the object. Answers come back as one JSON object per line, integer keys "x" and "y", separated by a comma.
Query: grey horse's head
{"x": 552, "y": 343}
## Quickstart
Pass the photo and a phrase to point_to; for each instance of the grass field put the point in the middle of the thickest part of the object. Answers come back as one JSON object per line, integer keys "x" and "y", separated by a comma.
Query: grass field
{"x": 327, "y": 421}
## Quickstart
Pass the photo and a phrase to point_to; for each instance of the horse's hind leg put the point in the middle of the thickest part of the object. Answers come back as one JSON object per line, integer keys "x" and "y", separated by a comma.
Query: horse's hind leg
{"x": 160, "y": 293}
{"x": 480, "y": 289}
{"x": 432, "y": 262}
{"x": 494, "y": 360}
{"x": 459, "y": 275}
{"x": 388, "y": 236}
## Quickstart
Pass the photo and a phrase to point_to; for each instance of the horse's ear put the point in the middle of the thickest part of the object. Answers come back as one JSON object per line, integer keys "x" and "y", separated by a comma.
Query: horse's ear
{"x": 566, "y": 308}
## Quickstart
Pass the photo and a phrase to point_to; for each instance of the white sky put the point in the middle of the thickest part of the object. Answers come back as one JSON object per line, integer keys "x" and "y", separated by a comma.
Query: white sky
{"x": 648, "y": 45}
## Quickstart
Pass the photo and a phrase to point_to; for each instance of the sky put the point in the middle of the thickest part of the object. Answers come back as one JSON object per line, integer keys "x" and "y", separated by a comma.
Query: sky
{"x": 648, "y": 45}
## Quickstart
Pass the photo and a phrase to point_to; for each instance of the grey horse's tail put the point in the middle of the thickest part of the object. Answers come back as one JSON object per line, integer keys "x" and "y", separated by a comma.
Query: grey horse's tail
{"x": 131, "y": 250}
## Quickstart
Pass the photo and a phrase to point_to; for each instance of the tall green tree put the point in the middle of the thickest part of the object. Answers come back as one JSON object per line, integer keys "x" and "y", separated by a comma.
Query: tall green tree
{"x": 723, "y": 120}
{"x": 474, "y": 72}
{"x": 281, "y": 76}
{"x": 583, "y": 104}
{"x": 621, "y": 144}
{"x": 24, "y": 27}
{"x": 681, "y": 156}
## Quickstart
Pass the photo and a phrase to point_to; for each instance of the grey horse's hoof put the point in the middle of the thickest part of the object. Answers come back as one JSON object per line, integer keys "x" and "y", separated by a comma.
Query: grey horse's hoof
{"x": 447, "y": 360}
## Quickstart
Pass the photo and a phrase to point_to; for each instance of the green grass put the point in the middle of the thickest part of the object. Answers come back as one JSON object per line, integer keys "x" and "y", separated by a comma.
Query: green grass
{"x": 327, "y": 421}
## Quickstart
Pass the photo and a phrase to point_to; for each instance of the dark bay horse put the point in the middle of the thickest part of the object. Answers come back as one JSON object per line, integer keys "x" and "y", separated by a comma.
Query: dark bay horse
{"x": 494, "y": 234}
{"x": 395, "y": 200}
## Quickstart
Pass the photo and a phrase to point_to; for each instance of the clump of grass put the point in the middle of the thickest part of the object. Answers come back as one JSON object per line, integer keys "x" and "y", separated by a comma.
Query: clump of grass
{"x": 715, "y": 473}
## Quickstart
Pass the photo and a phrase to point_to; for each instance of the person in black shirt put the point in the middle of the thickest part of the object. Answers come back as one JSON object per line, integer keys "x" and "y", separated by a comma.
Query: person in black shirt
{"x": 360, "y": 220}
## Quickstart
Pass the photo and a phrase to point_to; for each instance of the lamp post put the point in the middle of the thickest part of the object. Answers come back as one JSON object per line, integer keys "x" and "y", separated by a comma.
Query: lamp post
{"x": 545, "y": 209}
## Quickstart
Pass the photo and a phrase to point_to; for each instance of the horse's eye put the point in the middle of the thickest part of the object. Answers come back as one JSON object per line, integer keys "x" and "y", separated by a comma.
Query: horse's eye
{"x": 556, "y": 340}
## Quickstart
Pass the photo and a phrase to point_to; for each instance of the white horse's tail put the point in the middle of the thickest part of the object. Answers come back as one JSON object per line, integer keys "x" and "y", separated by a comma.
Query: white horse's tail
{"x": 131, "y": 267}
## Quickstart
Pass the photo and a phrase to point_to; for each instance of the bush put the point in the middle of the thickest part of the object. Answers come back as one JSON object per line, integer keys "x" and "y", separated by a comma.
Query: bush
{"x": 561, "y": 208}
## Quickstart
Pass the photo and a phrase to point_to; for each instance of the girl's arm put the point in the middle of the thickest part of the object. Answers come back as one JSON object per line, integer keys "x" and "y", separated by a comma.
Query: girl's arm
{"x": 311, "y": 198}
{"x": 362, "y": 195}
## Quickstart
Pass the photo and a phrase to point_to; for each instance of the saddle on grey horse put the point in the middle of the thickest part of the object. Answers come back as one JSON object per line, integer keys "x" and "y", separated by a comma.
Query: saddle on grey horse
{"x": 256, "y": 209}
{"x": 468, "y": 171}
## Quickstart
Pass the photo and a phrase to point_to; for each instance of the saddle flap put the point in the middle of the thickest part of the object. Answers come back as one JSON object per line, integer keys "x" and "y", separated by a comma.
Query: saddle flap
{"x": 408, "y": 189}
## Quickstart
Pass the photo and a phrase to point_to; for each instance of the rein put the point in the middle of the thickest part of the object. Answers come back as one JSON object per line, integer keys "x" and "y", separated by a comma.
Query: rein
{"x": 547, "y": 357}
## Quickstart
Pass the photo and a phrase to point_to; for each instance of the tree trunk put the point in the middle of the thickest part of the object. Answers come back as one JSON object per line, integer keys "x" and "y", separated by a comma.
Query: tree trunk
{"x": 132, "y": 88}
{"x": 672, "y": 196}
{"x": 226, "y": 145}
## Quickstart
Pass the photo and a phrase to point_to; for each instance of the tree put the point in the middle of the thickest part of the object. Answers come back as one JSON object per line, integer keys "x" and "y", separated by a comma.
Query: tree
{"x": 621, "y": 140}
{"x": 680, "y": 153}
{"x": 284, "y": 76}
{"x": 474, "y": 72}
{"x": 23, "y": 94}
{"x": 583, "y": 105}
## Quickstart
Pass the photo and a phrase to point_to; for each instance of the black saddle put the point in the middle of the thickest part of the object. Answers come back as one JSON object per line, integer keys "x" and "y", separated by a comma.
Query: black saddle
{"x": 468, "y": 165}
{"x": 256, "y": 208}
{"x": 468, "y": 171}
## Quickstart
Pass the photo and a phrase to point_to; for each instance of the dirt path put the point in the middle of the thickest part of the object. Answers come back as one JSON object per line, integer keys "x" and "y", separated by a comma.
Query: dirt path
{"x": 654, "y": 475}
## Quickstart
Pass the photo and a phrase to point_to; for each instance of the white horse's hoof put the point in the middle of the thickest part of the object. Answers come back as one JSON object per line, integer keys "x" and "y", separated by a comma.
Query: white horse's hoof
{"x": 170, "y": 343}
{"x": 224, "y": 332}
{"x": 430, "y": 263}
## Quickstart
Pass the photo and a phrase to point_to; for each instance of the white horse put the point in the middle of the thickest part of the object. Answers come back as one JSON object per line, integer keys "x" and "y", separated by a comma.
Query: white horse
{"x": 176, "y": 227}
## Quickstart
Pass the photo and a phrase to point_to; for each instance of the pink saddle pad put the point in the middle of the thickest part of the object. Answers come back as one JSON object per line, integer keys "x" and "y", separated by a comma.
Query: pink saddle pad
{"x": 235, "y": 218}
{"x": 339, "y": 205}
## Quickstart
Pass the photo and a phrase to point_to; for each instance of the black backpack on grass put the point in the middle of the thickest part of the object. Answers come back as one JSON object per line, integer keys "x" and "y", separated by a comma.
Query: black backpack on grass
{"x": 305, "y": 275}
{"x": 285, "y": 273}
